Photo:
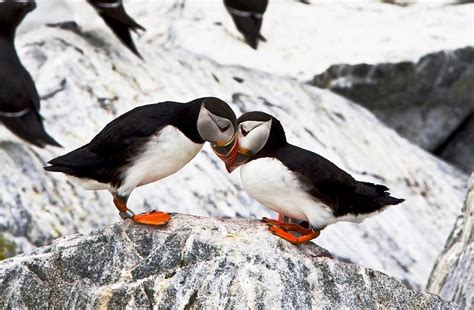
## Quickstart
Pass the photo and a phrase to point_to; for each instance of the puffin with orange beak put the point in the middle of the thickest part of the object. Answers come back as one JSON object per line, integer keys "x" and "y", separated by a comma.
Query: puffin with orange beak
{"x": 298, "y": 183}
{"x": 145, "y": 145}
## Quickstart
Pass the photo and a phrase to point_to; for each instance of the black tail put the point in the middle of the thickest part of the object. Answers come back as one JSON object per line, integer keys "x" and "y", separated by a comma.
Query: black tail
{"x": 250, "y": 29}
{"x": 121, "y": 24}
{"x": 29, "y": 127}
{"x": 369, "y": 197}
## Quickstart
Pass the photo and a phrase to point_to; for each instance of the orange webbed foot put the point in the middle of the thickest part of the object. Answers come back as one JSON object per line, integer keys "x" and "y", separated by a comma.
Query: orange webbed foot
{"x": 155, "y": 218}
{"x": 288, "y": 226}
{"x": 283, "y": 233}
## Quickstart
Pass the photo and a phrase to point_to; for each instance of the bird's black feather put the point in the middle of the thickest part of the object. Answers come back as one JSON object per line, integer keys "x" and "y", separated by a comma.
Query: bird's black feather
{"x": 111, "y": 150}
{"x": 248, "y": 16}
{"x": 19, "y": 100}
{"x": 118, "y": 21}
{"x": 320, "y": 177}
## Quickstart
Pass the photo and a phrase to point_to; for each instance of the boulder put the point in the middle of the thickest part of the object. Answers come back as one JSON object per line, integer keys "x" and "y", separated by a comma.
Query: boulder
{"x": 87, "y": 78}
{"x": 453, "y": 275}
{"x": 425, "y": 101}
{"x": 195, "y": 263}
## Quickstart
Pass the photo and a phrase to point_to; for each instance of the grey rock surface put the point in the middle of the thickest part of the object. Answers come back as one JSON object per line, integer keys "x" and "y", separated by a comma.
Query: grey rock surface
{"x": 453, "y": 274}
{"x": 86, "y": 79}
{"x": 459, "y": 146}
{"x": 196, "y": 263}
{"x": 424, "y": 101}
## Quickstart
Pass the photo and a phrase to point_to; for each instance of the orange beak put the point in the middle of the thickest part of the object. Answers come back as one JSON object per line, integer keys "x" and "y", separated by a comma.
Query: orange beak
{"x": 226, "y": 152}
{"x": 238, "y": 156}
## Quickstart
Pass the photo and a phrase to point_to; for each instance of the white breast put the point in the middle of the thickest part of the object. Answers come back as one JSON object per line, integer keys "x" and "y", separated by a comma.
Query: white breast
{"x": 269, "y": 182}
{"x": 166, "y": 153}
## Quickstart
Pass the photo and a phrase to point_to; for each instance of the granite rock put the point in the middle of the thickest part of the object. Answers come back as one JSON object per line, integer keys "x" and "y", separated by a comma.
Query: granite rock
{"x": 196, "y": 263}
{"x": 453, "y": 275}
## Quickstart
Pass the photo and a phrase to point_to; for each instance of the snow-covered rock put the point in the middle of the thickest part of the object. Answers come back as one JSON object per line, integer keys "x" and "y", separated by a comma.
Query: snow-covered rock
{"x": 425, "y": 101}
{"x": 453, "y": 274}
{"x": 303, "y": 40}
{"x": 196, "y": 263}
{"x": 86, "y": 79}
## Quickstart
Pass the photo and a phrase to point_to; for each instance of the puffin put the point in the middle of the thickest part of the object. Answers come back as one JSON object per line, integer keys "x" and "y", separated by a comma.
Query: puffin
{"x": 298, "y": 183}
{"x": 114, "y": 15}
{"x": 145, "y": 145}
{"x": 248, "y": 16}
{"x": 19, "y": 99}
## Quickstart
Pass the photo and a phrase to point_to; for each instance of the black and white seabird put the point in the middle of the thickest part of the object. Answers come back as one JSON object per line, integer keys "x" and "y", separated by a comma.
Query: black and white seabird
{"x": 248, "y": 16}
{"x": 19, "y": 100}
{"x": 145, "y": 145}
{"x": 114, "y": 15}
{"x": 298, "y": 183}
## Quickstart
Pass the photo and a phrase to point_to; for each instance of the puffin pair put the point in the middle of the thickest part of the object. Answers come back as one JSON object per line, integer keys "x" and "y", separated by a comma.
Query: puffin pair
{"x": 147, "y": 144}
{"x": 154, "y": 141}
{"x": 19, "y": 100}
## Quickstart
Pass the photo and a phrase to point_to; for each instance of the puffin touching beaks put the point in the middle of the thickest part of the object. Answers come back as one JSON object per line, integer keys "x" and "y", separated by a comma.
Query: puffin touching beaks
{"x": 298, "y": 183}
{"x": 145, "y": 145}
{"x": 248, "y": 16}
{"x": 19, "y": 100}
{"x": 114, "y": 15}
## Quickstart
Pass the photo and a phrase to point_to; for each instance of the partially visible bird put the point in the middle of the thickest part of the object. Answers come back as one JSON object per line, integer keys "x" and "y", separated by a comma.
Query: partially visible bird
{"x": 19, "y": 100}
{"x": 145, "y": 145}
{"x": 298, "y": 183}
{"x": 114, "y": 15}
{"x": 248, "y": 17}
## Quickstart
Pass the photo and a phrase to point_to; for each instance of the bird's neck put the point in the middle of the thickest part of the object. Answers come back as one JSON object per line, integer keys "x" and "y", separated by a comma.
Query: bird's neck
{"x": 186, "y": 122}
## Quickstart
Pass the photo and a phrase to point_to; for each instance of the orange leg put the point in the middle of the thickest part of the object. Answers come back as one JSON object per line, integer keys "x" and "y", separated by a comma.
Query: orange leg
{"x": 291, "y": 238}
{"x": 148, "y": 218}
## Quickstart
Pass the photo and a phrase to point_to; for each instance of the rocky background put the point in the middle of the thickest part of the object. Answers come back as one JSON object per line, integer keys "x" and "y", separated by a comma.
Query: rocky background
{"x": 410, "y": 101}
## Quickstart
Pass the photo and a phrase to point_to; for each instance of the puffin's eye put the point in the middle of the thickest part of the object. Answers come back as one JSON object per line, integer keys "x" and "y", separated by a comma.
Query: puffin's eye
{"x": 224, "y": 129}
{"x": 244, "y": 132}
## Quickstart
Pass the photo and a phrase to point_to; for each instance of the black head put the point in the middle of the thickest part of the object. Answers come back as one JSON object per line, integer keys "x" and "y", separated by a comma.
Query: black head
{"x": 216, "y": 121}
{"x": 256, "y": 131}
{"x": 12, "y": 13}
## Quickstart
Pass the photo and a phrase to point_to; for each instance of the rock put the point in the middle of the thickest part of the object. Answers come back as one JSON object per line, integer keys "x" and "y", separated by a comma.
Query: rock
{"x": 86, "y": 79}
{"x": 453, "y": 274}
{"x": 196, "y": 263}
{"x": 424, "y": 102}
{"x": 365, "y": 32}
{"x": 458, "y": 147}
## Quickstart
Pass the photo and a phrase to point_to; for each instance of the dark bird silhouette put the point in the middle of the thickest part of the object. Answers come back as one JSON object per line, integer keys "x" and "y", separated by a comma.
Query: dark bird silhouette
{"x": 145, "y": 145}
{"x": 114, "y": 15}
{"x": 298, "y": 183}
{"x": 248, "y": 17}
{"x": 19, "y": 100}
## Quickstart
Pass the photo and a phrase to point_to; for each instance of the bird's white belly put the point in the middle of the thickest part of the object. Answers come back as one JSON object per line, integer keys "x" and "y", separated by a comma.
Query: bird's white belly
{"x": 166, "y": 153}
{"x": 269, "y": 182}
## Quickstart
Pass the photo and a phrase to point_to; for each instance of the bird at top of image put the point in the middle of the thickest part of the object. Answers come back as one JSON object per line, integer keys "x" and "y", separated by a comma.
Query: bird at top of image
{"x": 248, "y": 17}
{"x": 19, "y": 99}
{"x": 114, "y": 15}
{"x": 145, "y": 145}
{"x": 298, "y": 183}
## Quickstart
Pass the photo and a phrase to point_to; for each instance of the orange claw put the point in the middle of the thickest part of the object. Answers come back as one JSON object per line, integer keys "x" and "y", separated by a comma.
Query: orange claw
{"x": 282, "y": 233}
{"x": 155, "y": 218}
